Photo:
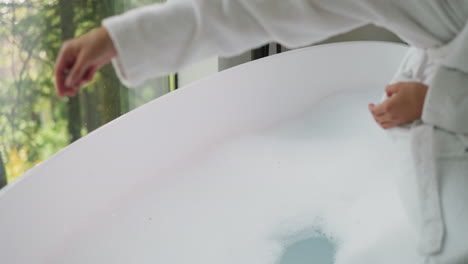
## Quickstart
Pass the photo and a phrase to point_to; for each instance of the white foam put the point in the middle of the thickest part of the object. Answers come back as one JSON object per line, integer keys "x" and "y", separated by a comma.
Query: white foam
{"x": 247, "y": 199}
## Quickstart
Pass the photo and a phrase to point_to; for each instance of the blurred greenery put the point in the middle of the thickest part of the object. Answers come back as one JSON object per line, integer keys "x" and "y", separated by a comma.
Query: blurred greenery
{"x": 34, "y": 122}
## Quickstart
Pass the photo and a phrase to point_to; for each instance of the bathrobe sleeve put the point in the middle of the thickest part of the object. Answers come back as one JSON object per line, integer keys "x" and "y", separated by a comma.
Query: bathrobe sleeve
{"x": 446, "y": 104}
{"x": 159, "y": 39}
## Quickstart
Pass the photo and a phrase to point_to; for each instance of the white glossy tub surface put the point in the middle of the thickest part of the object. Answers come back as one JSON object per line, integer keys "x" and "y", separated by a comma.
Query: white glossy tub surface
{"x": 230, "y": 169}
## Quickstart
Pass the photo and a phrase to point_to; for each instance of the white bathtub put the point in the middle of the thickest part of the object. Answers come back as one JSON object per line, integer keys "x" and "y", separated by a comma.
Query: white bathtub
{"x": 142, "y": 190}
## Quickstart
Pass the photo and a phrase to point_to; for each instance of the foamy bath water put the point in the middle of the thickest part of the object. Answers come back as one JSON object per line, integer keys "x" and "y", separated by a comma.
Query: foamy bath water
{"x": 247, "y": 200}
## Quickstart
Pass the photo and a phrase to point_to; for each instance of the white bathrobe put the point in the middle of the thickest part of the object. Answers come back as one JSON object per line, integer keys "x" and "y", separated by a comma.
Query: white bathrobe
{"x": 160, "y": 39}
{"x": 434, "y": 191}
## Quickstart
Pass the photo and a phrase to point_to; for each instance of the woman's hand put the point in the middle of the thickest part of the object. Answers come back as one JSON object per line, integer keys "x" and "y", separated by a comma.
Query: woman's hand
{"x": 404, "y": 104}
{"x": 80, "y": 58}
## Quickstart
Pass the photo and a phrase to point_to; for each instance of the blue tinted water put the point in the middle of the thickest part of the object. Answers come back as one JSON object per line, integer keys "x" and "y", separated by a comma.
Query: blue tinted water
{"x": 315, "y": 250}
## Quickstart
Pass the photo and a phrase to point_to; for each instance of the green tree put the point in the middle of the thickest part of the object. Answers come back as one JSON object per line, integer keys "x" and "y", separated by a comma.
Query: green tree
{"x": 112, "y": 91}
{"x": 68, "y": 27}
{"x": 34, "y": 122}
{"x": 3, "y": 176}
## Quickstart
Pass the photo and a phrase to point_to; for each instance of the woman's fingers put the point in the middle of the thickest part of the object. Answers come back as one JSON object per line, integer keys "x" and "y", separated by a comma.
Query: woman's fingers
{"x": 65, "y": 62}
{"x": 77, "y": 72}
{"x": 386, "y": 117}
{"x": 89, "y": 74}
{"x": 383, "y": 116}
{"x": 380, "y": 109}
{"x": 404, "y": 104}
{"x": 71, "y": 67}
{"x": 80, "y": 58}
{"x": 387, "y": 125}
{"x": 392, "y": 89}
{"x": 73, "y": 70}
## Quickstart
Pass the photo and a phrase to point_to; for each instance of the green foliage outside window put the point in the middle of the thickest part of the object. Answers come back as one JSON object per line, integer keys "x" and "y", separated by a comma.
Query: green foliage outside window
{"x": 34, "y": 122}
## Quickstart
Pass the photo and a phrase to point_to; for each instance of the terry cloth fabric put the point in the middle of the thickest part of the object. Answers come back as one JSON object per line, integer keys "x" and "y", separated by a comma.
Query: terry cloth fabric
{"x": 447, "y": 101}
{"x": 162, "y": 38}
{"x": 434, "y": 189}
{"x": 424, "y": 208}
{"x": 432, "y": 227}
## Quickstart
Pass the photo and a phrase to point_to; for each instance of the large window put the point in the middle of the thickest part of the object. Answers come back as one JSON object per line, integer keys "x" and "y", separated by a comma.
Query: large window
{"x": 34, "y": 122}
